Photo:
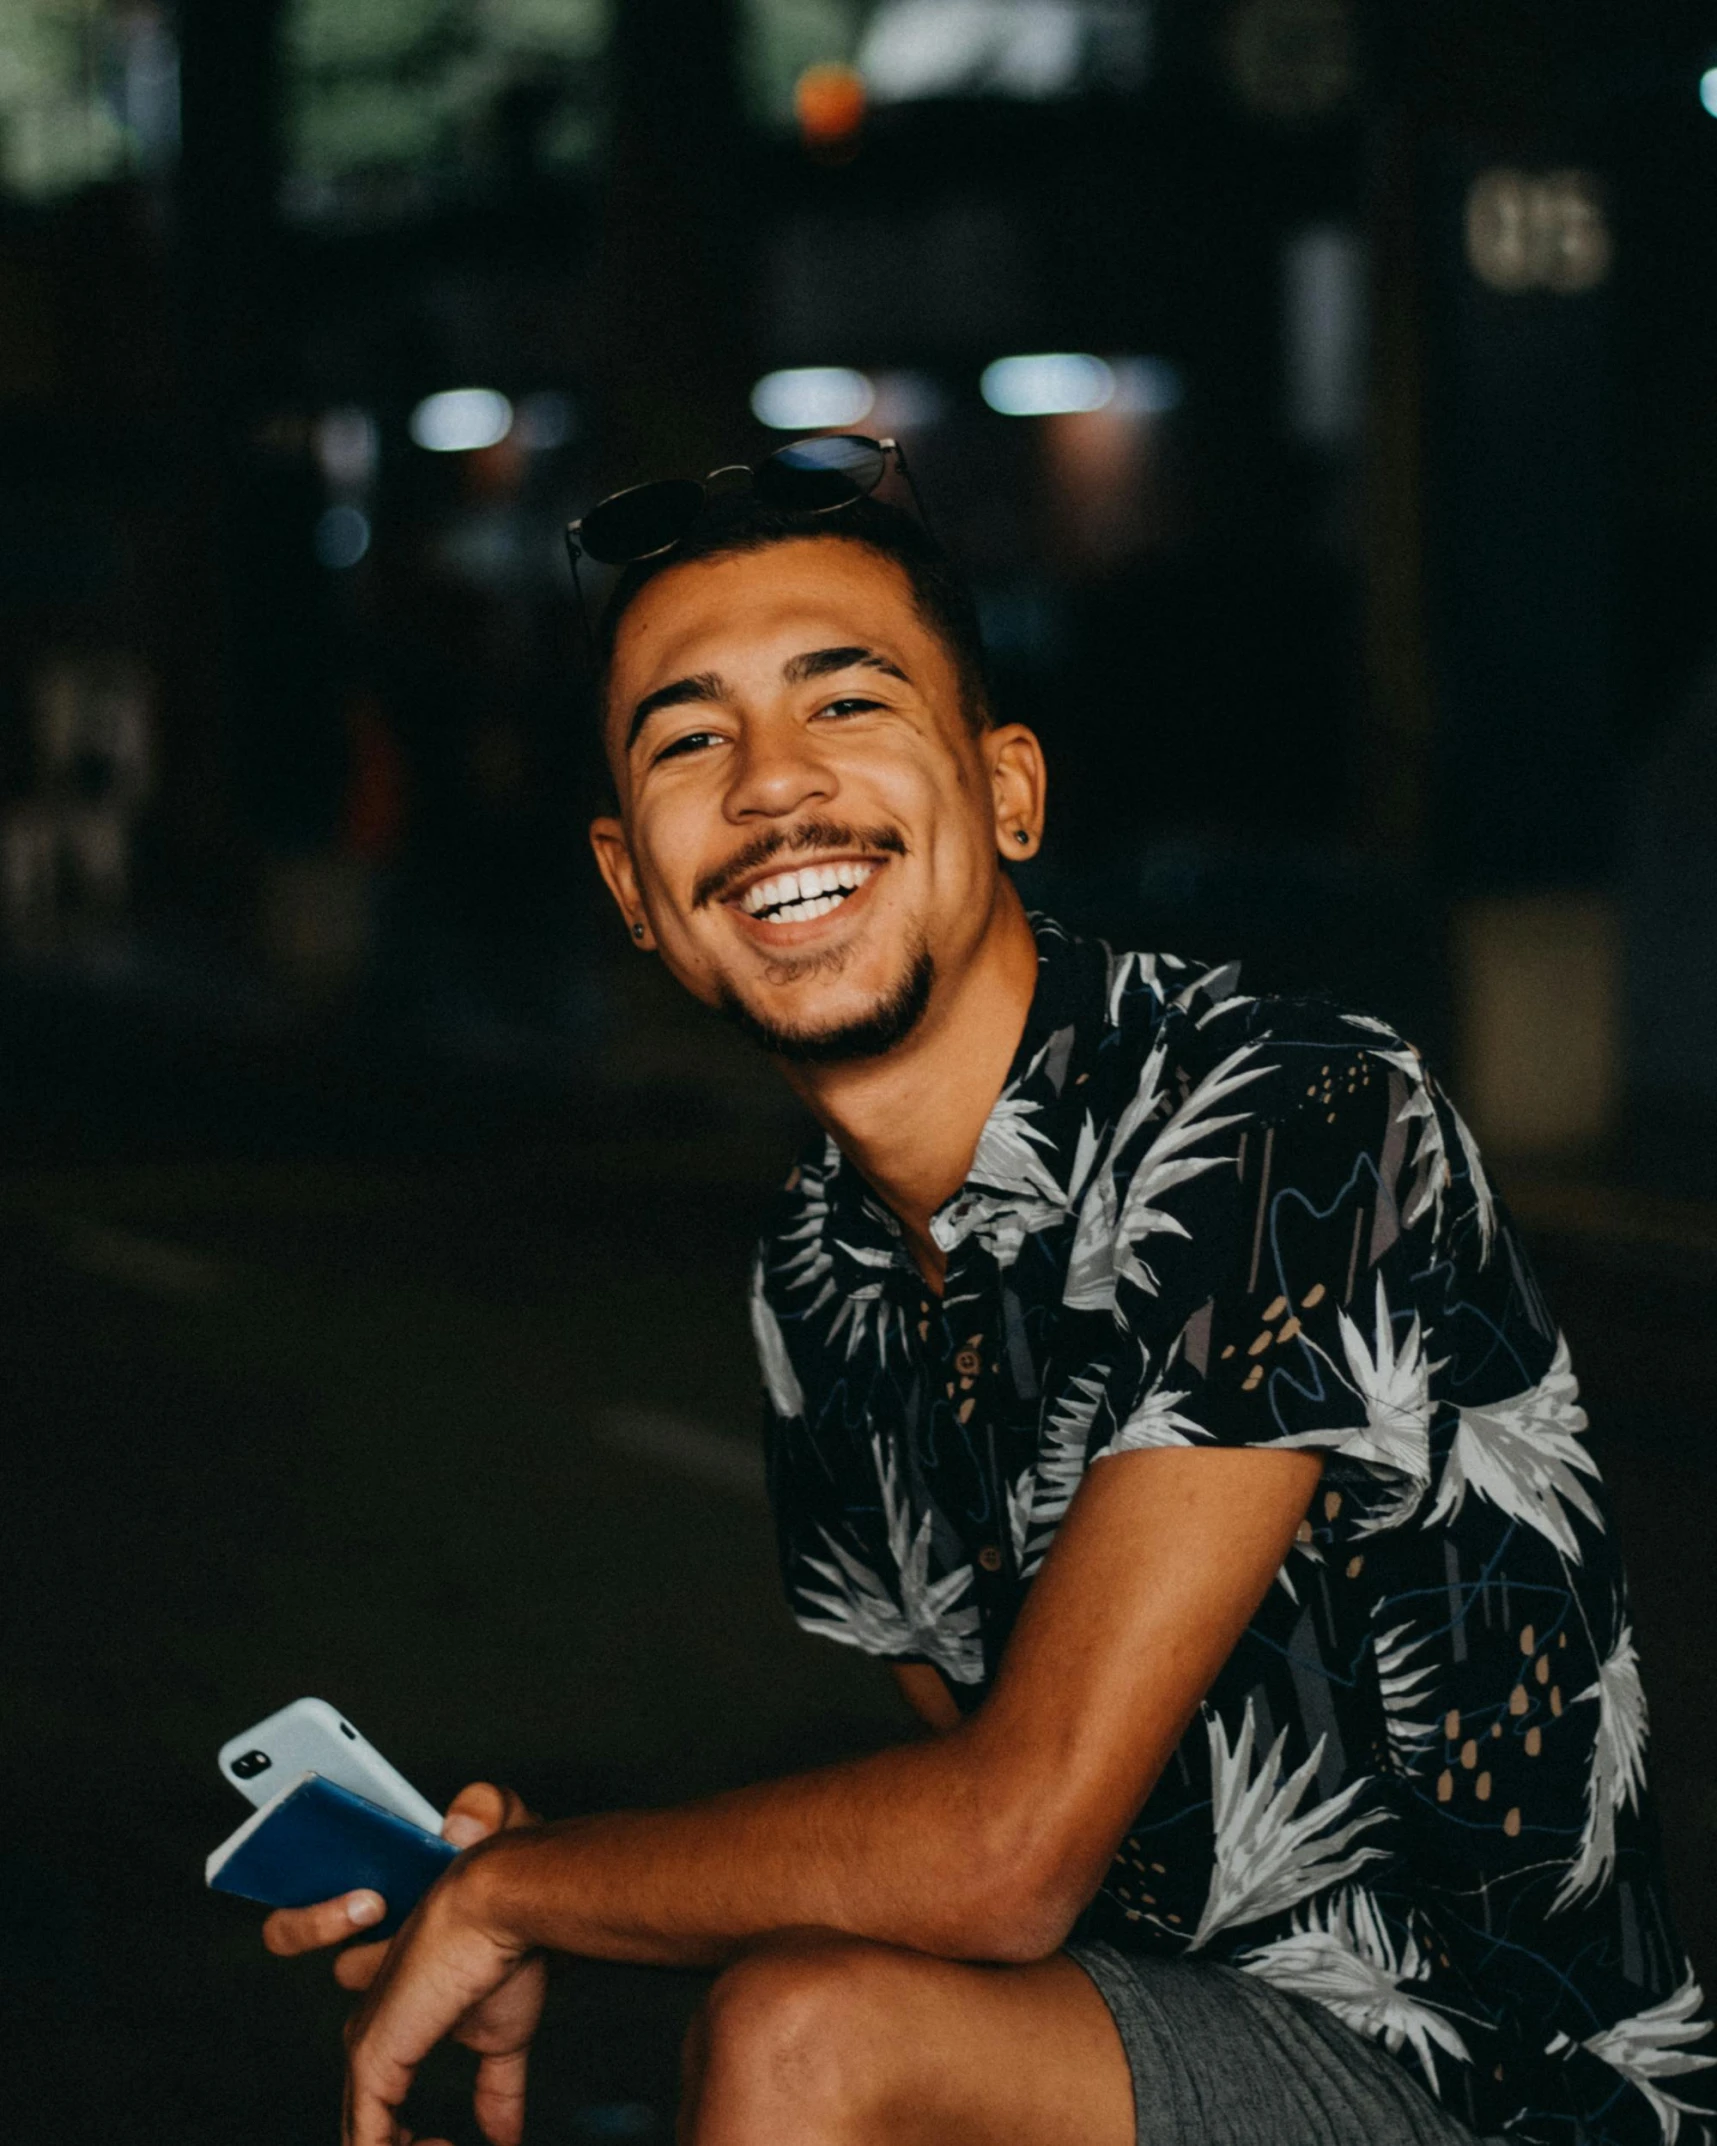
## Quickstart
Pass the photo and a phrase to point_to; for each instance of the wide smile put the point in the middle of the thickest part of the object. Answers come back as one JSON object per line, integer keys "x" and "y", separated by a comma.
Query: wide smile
{"x": 781, "y": 907}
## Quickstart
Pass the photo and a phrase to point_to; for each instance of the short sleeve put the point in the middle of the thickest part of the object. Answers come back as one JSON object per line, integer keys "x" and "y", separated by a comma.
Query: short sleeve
{"x": 1274, "y": 1222}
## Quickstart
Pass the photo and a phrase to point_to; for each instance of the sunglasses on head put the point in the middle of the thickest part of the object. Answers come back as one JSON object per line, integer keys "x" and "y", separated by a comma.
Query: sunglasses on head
{"x": 814, "y": 476}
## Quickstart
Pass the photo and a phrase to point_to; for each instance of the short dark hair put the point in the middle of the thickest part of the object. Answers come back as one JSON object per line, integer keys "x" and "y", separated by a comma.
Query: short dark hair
{"x": 738, "y": 522}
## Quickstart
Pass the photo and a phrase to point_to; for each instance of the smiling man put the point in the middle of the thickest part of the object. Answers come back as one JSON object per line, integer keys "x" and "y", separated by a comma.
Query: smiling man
{"x": 1156, "y": 1383}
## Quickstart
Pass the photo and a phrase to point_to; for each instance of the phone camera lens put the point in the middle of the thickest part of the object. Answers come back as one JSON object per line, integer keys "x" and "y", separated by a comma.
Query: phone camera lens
{"x": 251, "y": 1764}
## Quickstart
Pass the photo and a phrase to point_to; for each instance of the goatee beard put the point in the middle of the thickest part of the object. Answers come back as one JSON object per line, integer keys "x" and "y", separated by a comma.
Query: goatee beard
{"x": 874, "y": 1034}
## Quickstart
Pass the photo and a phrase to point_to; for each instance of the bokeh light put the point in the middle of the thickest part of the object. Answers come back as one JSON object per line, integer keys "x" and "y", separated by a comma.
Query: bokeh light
{"x": 461, "y": 419}
{"x": 1047, "y": 384}
{"x": 342, "y": 537}
{"x": 829, "y": 103}
{"x": 809, "y": 398}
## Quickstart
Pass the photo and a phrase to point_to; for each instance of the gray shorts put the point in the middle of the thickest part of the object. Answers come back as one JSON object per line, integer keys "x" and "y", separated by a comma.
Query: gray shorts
{"x": 1220, "y": 2058}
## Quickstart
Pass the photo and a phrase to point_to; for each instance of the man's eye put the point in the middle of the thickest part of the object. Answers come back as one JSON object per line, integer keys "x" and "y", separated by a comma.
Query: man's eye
{"x": 693, "y": 741}
{"x": 851, "y": 704}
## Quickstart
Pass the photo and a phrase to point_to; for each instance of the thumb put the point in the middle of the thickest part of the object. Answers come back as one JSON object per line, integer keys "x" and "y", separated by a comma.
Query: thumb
{"x": 475, "y": 1813}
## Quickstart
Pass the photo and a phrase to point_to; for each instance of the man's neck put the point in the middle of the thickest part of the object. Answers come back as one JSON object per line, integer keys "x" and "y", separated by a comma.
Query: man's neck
{"x": 910, "y": 1120}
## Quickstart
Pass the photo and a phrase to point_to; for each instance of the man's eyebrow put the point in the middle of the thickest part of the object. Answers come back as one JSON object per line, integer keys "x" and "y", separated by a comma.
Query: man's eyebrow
{"x": 701, "y": 685}
{"x": 821, "y": 662}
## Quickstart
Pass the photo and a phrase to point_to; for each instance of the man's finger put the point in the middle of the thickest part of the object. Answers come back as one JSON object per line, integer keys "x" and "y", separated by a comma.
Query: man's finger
{"x": 372, "y": 2110}
{"x": 481, "y": 1809}
{"x": 329, "y": 1922}
{"x": 499, "y": 2099}
{"x": 477, "y": 1811}
{"x": 357, "y": 1967}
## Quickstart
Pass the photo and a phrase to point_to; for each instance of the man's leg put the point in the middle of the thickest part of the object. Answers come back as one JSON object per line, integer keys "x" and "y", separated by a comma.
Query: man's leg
{"x": 818, "y": 2040}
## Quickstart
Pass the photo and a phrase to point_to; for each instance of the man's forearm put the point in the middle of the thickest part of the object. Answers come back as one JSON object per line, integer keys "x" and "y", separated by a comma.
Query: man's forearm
{"x": 982, "y": 1843}
{"x": 901, "y": 1847}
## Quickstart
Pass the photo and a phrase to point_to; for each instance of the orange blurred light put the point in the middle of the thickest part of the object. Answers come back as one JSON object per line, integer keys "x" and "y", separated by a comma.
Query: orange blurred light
{"x": 828, "y": 101}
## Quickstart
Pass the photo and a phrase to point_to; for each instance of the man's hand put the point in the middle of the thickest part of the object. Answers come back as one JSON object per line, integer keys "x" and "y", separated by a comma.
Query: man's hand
{"x": 473, "y": 1815}
{"x": 448, "y": 1975}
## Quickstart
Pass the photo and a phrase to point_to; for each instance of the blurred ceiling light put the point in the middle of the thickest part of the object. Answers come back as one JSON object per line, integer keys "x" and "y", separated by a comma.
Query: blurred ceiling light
{"x": 1323, "y": 334}
{"x": 346, "y": 446}
{"x": 811, "y": 397}
{"x": 828, "y": 103}
{"x": 1145, "y": 387}
{"x": 461, "y": 419}
{"x": 1003, "y": 48}
{"x": 342, "y": 537}
{"x": 1048, "y": 385}
{"x": 1708, "y": 90}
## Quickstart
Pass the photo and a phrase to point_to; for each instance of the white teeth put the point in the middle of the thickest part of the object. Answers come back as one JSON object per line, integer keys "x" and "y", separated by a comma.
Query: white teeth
{"x": 797, "y": 897}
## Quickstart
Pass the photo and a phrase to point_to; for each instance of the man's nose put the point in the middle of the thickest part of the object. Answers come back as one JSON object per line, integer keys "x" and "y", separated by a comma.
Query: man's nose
{"x": 777, "y": 770}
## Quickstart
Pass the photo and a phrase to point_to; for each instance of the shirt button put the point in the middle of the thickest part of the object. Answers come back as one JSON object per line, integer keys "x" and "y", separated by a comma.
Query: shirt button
{"x": 967, "y": 1363}
{"x": 990, "y": 1558}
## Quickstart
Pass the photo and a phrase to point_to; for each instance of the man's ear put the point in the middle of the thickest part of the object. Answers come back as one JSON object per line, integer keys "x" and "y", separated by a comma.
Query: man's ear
{"x": 614, "y": 862}
{"x": 1019, "y": 783}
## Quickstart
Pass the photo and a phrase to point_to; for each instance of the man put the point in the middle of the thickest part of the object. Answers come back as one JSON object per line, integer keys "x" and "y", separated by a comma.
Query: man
{"x": 1156, "y": 1382}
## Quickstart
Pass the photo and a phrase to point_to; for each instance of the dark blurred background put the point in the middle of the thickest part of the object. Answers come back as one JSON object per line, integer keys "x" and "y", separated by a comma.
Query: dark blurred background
{"x": 1320, "y": 395}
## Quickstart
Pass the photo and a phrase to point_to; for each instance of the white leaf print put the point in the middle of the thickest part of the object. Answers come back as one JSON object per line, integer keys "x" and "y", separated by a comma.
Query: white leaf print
{"x": 1394, "y": 1382}
{"x": 1618, "y": 1766}
{"x": 1301, "y": 1546}
{"x": 1429, "y": 1161}
{"x": 1007, "y": 1155}
{"x": 867, "y": 1316}
{"x": 1401, "y": 1682}
{"x": 1019, "y": 1497}
{"x": 1109, "y": 1227}
{"x": 1122, "y": 967}
{"x": 1166, "y": 1163}
{"x": 1652, "y": 2046}
{"x": 1012, "y": 1192}
{"x": 780, "y": 1380}
{"x": 1522, "y": 1455}
{"x": 1090, "y": 1284}
{"x": 1343, "y": 1959}
{"x": 1146, "y": 967}
{"x": 1084, "y": 1155}
{"x": 1155, "y": 1422}
{"x": 809, "y": 1265}
{"x": 927, "y": 1619}
{"x": 1483, "y": 1196}
{"x": 1269, "y": 1855}
{"x": 1038, "y": 1501}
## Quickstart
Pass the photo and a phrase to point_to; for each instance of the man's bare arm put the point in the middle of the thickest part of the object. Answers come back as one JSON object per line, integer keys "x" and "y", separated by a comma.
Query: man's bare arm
{"x": 980, "y": 1843}
{"x": 983, "y": 1842}
{"x": 924, "y": 1691}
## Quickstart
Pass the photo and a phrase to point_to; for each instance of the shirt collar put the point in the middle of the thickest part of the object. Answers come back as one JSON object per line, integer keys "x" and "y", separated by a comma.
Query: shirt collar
{"x": 1020, "y": 1179}
{"x": 1022, "y": 1172}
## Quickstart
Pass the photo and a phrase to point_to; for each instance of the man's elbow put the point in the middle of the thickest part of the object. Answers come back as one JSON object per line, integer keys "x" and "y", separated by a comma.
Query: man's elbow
{"x": 1019, "y": 1908}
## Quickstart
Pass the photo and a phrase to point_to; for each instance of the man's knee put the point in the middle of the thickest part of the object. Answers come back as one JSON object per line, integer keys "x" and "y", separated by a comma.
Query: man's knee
{"x": 798, "y": 2025}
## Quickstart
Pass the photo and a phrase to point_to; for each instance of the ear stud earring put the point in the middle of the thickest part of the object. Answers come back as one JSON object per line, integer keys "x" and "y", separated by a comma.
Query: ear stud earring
{"x": 637, "y": 931}
{"x": 1021, "y": 836}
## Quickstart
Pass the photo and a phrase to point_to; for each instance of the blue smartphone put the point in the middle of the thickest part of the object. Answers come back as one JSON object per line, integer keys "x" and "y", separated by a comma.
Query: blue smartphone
{"x": 315, "y": 1840}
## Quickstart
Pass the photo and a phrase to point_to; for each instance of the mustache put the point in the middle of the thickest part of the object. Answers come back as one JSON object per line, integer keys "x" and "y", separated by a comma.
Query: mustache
{"x": 793, "y": 841}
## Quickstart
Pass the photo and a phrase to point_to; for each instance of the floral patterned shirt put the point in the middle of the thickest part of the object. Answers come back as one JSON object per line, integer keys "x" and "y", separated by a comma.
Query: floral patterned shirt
{"x": 1416, "y": 1791}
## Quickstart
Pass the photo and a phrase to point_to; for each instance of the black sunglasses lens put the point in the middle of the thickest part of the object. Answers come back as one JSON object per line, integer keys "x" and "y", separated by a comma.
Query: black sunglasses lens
{"x": 638, "y": 523}
{"x": 817, "y": 474}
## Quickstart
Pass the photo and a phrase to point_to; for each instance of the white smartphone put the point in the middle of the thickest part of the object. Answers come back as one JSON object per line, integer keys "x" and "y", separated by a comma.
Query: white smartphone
{"x": 310, "y": 1736}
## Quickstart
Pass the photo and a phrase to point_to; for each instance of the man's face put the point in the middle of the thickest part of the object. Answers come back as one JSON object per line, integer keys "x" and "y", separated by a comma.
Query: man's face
{"x": 808, "y": 826}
